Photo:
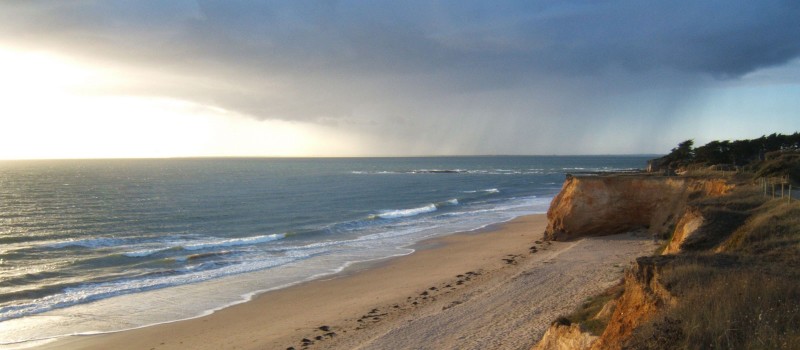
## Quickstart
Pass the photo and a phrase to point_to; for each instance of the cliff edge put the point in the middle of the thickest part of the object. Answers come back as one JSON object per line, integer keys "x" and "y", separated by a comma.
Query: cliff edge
{"x": 727, "y": 277}
{"x": 605, "y": 205}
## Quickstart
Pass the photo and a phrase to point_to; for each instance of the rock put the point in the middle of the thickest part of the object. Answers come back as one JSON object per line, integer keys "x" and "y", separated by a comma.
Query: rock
{"x": 565, "y": 337}
{"x": 687, "y": 226}
{"x": 604, "y": 205}
{"x": 643, "y": 298}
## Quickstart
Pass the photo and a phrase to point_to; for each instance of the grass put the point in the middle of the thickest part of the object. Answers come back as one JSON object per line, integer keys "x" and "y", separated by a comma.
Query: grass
{"x": 726, "y": 215}
{"x": 779, "y": 164}
{"x": 736, "y": 282}
{"x": 717, "y": 227}
{"x": 745, "y": 297}
{"x": 773, "y": 232}
{"x": 725, "y": 303}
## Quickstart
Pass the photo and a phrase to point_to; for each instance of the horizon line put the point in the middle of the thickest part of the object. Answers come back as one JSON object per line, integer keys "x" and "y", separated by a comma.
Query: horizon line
{"x": 340, "y": 157}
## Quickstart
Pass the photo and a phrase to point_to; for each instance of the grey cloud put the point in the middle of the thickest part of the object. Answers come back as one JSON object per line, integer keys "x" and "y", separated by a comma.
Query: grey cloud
{"x": 355, "y": 64}
{"x": 728, "y": 38}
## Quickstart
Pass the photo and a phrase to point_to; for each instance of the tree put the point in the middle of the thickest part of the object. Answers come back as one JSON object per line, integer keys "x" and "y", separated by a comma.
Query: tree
{"x": 682, "y": 155}
{"x": 714, "y": 152}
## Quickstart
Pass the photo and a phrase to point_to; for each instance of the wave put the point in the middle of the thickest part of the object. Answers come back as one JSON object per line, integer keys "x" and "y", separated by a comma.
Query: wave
{"x": 208, "y": 255}
{"x": 537, "y": 205}
{"x": 87, "y": 243}
{"x": 202, "y": 271}
{"x": 214, "y": 243}
{"x": 361, "y": 172}
{"x": 144, "y": 252}
{"x": 87, "y": 292}
{"x": 438, "y": 171}
{"x": 488, "y": 190}
{"x": 235, "y": 242}
{"x": 401, "y": 213}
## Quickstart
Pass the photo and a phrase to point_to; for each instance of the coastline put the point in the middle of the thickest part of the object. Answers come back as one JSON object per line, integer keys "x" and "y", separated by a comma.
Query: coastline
{"x": 393, "y": 302}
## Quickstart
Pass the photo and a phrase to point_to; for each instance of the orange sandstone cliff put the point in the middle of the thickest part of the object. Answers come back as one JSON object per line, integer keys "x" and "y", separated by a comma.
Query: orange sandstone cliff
{"x": 565, "y": 337}
{"x": 644, "y": 296}
{"x": 604, "y": 205}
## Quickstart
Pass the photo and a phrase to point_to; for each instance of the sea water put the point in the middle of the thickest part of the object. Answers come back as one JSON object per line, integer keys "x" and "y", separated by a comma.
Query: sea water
{"x": 89, "y": 246}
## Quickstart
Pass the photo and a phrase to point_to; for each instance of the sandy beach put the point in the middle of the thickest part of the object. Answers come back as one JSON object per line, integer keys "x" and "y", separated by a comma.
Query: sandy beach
{"x": 494, "y": 289}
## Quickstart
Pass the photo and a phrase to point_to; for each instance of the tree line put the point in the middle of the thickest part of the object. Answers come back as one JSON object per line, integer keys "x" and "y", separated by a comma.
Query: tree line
{"x": 736, "y": 153}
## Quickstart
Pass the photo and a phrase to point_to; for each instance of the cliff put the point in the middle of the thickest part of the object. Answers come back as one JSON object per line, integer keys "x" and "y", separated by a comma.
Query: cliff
{"x": 665, "y": 206}
{"x": 688, "y": 225}
{"x": 644, "y": 297}
{"x": 565, "y": 337}
{"x": 604, "y": 205}
{"x": 727, "y": 276}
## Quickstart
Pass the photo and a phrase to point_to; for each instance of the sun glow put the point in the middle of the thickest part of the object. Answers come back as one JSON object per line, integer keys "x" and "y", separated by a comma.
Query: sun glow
{"x": 52, "y": 109}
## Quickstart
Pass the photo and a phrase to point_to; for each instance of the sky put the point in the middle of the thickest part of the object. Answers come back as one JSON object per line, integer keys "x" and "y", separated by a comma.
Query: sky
{"x": 121, "y": 79}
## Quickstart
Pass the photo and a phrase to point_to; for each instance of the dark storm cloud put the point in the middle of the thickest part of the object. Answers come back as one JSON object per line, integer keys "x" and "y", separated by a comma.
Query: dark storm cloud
{"x": 373, "y": 63}
{"x": 717, "y": 37}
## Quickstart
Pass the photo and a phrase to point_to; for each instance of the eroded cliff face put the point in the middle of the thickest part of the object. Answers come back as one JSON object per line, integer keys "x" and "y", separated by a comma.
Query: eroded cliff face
{"x": 604, "y": 205}
{"x": 688, "y": 225}
{"x": 644, "y": 296}
{"x": 677, "y": 207}
{"x": 563, "y": 337}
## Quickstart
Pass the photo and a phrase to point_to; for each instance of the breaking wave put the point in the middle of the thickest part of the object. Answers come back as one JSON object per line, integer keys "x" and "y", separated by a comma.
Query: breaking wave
{"x": 402, "y": 213}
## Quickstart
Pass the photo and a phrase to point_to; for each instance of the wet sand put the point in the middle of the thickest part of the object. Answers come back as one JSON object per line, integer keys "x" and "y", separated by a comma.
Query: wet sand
{"x": 498, "y": 288}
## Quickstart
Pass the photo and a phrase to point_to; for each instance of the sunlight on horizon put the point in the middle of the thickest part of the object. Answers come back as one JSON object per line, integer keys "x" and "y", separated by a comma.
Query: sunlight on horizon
{"x": 50, "y": 113}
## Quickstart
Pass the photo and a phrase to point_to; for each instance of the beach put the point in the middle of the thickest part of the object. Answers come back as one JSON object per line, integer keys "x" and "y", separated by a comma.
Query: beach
{"x": 474, "y": 290}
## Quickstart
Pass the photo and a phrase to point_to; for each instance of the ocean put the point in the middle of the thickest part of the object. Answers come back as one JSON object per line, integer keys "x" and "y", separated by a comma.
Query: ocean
{"x": 92, "y": 246}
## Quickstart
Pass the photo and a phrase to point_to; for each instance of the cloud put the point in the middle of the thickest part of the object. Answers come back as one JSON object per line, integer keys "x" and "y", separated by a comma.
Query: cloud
{"x": 413, "y": 69}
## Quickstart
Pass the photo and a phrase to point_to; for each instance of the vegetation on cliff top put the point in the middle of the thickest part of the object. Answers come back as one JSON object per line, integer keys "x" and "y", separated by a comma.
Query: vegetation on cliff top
{"x": 735, "y": 280}
{"x": 724, "y": 302}
{"x": 775, "y": 155}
